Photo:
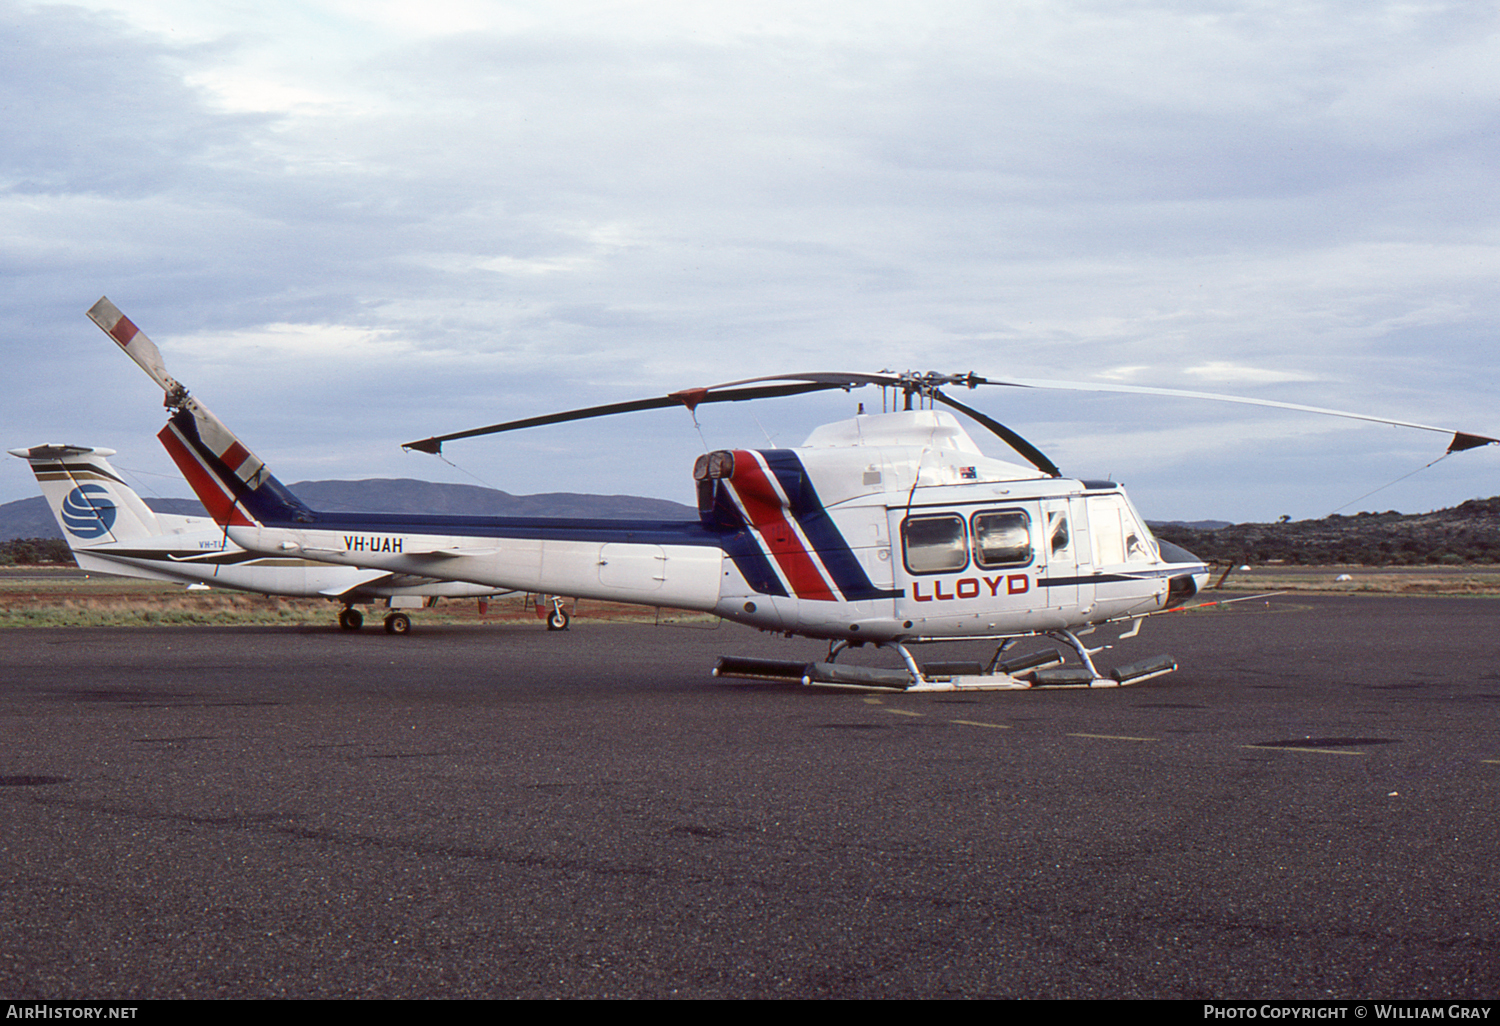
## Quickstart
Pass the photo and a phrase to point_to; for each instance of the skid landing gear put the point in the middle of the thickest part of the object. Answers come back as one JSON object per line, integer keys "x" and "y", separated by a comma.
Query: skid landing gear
{"x": 1027, "y": 672}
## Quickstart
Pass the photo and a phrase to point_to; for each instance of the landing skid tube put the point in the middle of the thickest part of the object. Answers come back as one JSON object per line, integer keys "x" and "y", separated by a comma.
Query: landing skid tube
{"x": 1028, "y": 672}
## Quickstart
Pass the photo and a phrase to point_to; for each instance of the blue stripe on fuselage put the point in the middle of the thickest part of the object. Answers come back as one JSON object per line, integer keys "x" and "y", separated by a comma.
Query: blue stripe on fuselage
{"x": 741, "y": 545}
{"x": 820, "y": 530}
{"x": 642, "y": 532}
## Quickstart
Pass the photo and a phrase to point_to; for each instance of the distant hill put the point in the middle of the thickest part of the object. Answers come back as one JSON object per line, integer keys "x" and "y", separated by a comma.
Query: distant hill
{"x": 30, "y": 518}
{"x": 404, "y": 495}
{"x": 1469, "y": 533}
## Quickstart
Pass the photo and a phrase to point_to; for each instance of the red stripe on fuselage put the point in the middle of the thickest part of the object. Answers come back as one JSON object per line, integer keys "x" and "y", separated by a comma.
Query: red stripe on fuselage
{"x": 205, "y": 484}
{"x": 766, "y": 512}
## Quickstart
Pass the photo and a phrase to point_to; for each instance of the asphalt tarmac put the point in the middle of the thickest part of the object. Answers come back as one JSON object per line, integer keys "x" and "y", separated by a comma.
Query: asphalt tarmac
{"x": 1306, "y": 809}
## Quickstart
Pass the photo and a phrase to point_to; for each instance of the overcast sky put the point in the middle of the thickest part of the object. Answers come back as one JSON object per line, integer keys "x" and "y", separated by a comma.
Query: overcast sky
{"x": 352, "y": 224}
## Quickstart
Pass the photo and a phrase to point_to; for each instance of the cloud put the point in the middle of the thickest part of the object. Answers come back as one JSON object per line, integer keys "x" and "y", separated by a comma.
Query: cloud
{"x": 1230, "y": 373}
{"x": 347, "y": 225}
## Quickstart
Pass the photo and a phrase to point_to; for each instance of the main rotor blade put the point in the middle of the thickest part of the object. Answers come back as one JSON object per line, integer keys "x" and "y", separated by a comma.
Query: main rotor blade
{"x": 1009, "y": 437}
{"x": 927, "y": 384}
{"x": 1461, "y": 440}
{"x": 832, "y": 379}
{"x": 691, "y": 398}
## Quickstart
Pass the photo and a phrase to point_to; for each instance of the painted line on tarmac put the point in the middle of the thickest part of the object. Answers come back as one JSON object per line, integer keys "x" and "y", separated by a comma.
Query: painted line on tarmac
{"x": 871, "y": 700}
{"x": 961, "y": 723}
{"x": 1114, "y": 737}
{"x": 1290, "y": 748}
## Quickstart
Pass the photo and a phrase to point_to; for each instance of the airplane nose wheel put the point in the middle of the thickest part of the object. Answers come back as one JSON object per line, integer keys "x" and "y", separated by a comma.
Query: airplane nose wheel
{"x": 351, "y": 620}
{"x": 557, "y": 620}
{"x": 398, "y": 623}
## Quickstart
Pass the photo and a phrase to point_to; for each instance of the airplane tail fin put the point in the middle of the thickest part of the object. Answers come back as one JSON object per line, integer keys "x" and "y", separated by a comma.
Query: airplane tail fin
{"x": 91, "y": 502}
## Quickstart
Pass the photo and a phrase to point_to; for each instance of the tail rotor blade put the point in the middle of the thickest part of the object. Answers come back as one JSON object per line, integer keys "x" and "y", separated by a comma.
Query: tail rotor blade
{"x": 135, "y": 343}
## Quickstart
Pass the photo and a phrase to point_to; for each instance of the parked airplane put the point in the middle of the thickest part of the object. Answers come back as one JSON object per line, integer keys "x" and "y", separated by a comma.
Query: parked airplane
{"x": 111, "y": 530}
{"x": 893, "y": 529}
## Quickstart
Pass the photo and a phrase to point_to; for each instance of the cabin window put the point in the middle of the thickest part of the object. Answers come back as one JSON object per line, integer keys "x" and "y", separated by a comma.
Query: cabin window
{"x": 1118, "y": 534}
{"x": 1002, "y": 538}
{"x": 1061, "y": 537}
{"x": 934, "y": 544}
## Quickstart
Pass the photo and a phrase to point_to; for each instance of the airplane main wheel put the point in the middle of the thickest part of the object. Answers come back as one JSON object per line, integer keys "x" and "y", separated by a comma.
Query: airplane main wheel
{"x": 351, "y": 620}
{"x": 557, "y": 620}
{"x": 398, "y": 623}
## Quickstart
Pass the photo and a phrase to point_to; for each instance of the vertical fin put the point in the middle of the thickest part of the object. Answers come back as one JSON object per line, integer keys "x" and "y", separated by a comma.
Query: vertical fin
{"x": 90, "y": 501}
{"x": 234, "y": 486}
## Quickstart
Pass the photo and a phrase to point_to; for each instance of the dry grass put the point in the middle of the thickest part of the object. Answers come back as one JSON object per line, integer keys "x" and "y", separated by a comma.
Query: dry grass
{"x": 28, "y": 599}
{"x": 1467, "y": 580}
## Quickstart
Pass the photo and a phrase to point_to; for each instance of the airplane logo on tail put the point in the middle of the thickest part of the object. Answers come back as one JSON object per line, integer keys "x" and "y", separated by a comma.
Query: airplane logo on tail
{"x": 87, "y": 512}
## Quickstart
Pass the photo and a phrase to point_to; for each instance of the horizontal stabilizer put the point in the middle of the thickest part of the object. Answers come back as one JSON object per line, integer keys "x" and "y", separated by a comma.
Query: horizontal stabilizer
{"x": 57, "y": 452}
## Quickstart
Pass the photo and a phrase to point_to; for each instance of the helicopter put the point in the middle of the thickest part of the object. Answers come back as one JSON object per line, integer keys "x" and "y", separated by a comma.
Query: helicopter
{"x": 892, "y": 529}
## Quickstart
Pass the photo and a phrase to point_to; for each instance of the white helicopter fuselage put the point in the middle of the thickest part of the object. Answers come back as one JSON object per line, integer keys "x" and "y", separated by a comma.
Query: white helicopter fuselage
{"x": 886, "y": 527}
